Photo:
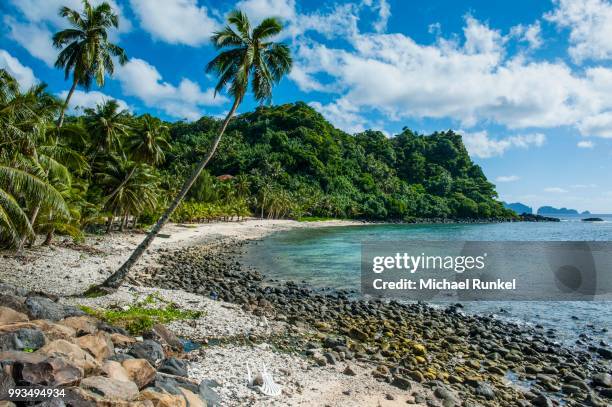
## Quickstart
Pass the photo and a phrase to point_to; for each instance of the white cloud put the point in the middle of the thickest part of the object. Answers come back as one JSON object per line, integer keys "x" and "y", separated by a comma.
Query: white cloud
{"x": 342, "y": 115}
{"x": 38, "y": 11}
{"x": 140, "y": 79}
{"x": 469, "y": 80}
{"x": 82, "y": 100}
{"x": 257, "y": 10}
{"x": 479, "y": 144}
{"x": 384, "y": 13}
{"x": 590, "y": 26}
{"x": 34, "y": 37}
{"x": 597, "y": 125}
{"x": 555, "y": 190}
{"x": 40, "y": 18}
{"x": 531, "y": 34}
{"x": 175, "y": 21}
{"x": 507, "y": 178}
{"x": 585, "y": 144}
{"x": 23, "y": 74}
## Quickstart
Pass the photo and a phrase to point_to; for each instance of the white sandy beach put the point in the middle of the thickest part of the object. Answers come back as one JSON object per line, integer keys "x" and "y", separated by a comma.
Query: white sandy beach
{"x": 67, "y": 268}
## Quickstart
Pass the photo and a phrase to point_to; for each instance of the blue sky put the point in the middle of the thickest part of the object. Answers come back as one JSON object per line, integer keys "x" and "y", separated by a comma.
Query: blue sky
{"x": 528, "y": 83}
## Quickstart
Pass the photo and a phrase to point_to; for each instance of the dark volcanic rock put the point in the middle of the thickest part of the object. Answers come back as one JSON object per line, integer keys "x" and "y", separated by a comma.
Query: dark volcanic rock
{"x": 174, "y": 366}
{"x": 44, "y": 308}
{"x": 149, "y": 350}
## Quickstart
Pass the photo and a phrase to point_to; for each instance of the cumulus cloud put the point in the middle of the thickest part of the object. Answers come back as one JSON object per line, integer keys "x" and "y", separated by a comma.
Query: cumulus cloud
{"x": 585, "y": 144}
{"x": 480, "y": 144}
{"x": 469, "y": 79}
{"x": 34, "y": 37}
{"x": 175, "y": 21}
{"x": 531, "y": 34}
{"x": 590, "y": 26}
{"x": 342, "y": 115}
{"x": 384, "y": 13}
{"x": 507, "y": 178}
{"x": 38, "y": 20}
{"x": 23, "y": 74}
{"x": 140, "y": 79}
{"x": 82, "y": 100}
{"x": 38, "y": 11}
{"x": 257, "y": 10}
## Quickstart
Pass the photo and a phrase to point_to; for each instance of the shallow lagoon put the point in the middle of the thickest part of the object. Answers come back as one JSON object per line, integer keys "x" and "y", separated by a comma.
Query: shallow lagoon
{"x": 330, "y": 257}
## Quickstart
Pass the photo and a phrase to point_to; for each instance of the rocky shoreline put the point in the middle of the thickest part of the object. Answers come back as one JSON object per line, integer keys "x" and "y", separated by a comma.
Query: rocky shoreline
{"x": 463, "y": 359}
{"x": 45, "y": 344}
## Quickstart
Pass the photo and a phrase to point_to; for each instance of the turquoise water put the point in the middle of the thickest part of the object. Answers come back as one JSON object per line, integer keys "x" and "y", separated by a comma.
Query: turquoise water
{"x": 330, "y": 257}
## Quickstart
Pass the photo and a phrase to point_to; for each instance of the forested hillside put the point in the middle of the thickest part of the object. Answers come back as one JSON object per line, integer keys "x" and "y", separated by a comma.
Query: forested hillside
{"x": 294, "y": 163}
{"x": 107, "y": 169}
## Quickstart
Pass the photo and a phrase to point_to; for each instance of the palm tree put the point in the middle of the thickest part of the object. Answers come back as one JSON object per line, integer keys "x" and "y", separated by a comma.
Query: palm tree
{"x": 107, "y": 126}
{"x": 149, "y": 141}
{"x": 248, "y": 55}
{"x": 130, "y": 187}
{"x": 24, "y": 167}
{"x": 87, "y": 53}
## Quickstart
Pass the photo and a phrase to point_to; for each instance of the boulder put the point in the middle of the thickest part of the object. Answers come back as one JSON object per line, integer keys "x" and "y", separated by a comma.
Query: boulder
{"x": 6, "y": 381}
{"x": 54, "y": 331}
{"x": 149, "y": 350}
{"x": 99, "y": 345}
{"x": 161, "y": 399}
{"x": 358, "y": 335}
{"x": 167, "y": 336}
{"x": 602, "y": 379}
{"x": 114, "y": 370}
{"x": 82, "y": 325}
{"x": 53, "y": 371}
{"x": 15, "y": 302}
{"x": 12, "y": 357}
{"x": 122, "y": 341}
{"x": 22, "y": 339}
{"x": 12, "y": 290}
{"x": 10, "y": 316}
{"x": 174, "y": 366}
{"x": 402, "y": 383}
{"x": 110, "y": 389}
{"x": 44, "y": 308}
{"x": 193, "y": 400}
{"x": 103, "y": 326}
{"x": 208, "y": 394}
{"x": 139, "y": 371}
{"x": 72, "y": 352}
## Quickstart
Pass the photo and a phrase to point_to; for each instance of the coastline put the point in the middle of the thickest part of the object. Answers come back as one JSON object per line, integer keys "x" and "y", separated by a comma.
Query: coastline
{"x": 315, "y": 343}
{"x": 67, "y": 268}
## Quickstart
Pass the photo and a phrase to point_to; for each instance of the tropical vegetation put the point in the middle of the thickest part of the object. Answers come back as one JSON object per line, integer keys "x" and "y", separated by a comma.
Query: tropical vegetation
{"x": 107, "y": 169}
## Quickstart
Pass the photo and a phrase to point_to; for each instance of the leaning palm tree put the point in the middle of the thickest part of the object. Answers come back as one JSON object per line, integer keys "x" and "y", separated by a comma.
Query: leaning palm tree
{"x": 87, "y": 53}
{"x": 248, "y": 55}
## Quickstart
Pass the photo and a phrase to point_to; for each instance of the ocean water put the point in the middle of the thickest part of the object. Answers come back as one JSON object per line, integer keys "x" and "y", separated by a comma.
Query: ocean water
{"x": 330, "y": 257}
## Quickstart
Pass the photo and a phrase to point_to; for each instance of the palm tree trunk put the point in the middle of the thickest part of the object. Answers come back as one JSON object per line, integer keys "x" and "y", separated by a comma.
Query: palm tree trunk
{"x": 49, "y": 238}
{"x": 28, "y": 239}
{"x": 115, "y": 279}
{"x": 109, "y": 225}
{"x": 60, "y": 121}
{"x": 122, "y": 183}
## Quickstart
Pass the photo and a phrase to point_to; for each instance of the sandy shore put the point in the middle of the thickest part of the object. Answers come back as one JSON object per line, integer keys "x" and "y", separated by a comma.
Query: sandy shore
{"x": 67, "y": 268}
